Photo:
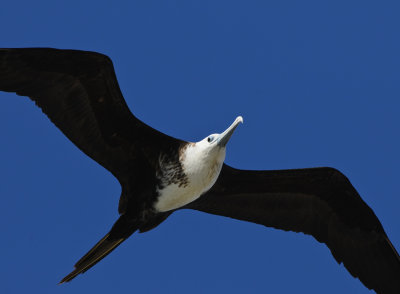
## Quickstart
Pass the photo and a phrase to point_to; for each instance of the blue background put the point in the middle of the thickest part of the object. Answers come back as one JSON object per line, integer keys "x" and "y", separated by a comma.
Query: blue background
{"x": 317, "y": 83}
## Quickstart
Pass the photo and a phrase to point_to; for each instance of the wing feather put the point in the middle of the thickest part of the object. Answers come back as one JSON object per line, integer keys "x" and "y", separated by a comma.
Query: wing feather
{"x": 79, "y": 92}
{"x": 320, "y": 202}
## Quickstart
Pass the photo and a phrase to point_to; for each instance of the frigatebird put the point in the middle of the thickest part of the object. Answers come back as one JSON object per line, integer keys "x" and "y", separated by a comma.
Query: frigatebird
{"x": 159, "y": 174}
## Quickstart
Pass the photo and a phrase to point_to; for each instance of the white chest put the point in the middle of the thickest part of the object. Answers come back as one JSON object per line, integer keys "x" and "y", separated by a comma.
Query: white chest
{"x": 201, "y": 170}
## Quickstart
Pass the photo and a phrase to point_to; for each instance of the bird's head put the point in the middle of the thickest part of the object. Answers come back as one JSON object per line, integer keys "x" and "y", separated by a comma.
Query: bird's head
{"x": 217, "y": 142}
{"x": 209, "y": 153}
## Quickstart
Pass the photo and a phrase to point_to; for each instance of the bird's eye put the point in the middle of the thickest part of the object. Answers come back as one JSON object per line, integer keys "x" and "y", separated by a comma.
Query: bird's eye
{"x": 210, "y": 139}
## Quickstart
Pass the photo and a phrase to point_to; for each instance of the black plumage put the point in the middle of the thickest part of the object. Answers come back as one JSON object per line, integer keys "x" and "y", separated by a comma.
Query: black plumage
{"x": 317, "y": 201}
{"x": 79, "y": 92}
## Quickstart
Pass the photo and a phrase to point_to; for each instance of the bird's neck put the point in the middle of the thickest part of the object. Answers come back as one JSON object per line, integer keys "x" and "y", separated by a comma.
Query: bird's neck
{"x": 202, "y": 167}
{"x": 184, "y": 181}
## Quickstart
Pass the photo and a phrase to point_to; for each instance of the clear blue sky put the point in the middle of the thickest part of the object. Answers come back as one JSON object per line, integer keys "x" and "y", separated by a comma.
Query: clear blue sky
{"x": 317, "y": 82}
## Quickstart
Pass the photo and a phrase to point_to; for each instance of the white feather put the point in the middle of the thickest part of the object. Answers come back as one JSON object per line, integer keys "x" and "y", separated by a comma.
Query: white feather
{"x": 202, "y": 163}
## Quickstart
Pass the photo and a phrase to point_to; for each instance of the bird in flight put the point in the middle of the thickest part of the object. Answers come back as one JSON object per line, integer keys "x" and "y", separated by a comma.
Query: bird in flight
{"x": 79, "y": 92}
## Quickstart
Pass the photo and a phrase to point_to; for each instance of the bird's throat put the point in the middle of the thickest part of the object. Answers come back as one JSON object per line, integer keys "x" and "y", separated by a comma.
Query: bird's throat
{"x": 200, "y": 170}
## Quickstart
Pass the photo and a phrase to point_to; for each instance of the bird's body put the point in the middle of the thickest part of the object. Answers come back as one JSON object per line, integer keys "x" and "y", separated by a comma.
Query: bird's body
{"x": 79, "y": 92}
{"x": 178, "y": 190}
{"x": 199, "y": 168}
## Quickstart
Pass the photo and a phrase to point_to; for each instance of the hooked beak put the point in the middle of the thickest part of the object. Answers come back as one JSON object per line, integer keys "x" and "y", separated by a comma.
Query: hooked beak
{"x": 225, "y": 136}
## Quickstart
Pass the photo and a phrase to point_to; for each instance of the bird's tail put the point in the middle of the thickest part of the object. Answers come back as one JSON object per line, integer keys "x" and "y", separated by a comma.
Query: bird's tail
{"x": 120, "y": 231}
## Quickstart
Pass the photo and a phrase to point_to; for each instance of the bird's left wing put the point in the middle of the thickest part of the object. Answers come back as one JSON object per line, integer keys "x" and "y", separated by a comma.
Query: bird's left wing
{"x": 79, "y": 92}
{"x": 320, "y": 202}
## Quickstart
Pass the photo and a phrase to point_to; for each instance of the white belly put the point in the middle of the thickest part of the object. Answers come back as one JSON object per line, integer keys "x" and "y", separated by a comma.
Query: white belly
{"x": 173, "y": 197}
{"x": 201, "y": 170}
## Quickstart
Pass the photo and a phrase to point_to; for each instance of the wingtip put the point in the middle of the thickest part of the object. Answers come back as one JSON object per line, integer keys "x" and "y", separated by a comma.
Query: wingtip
{"x": 64, "y": 280}
{"x": 69, "y": 277}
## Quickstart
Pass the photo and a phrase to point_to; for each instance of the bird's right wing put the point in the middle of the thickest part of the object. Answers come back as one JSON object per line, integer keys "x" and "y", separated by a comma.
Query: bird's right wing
{"x": 320, "y": 202}
{"x": 79, "y": 92}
